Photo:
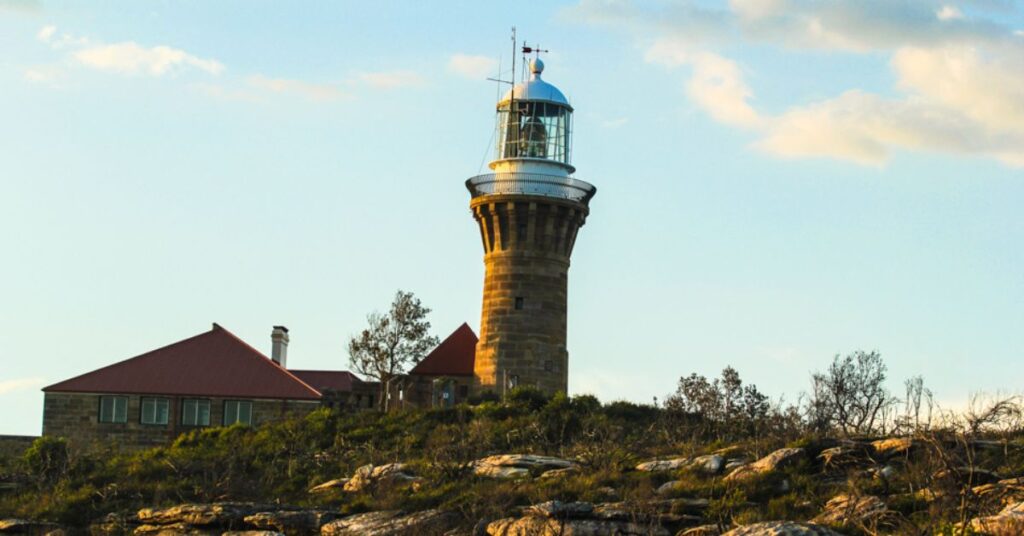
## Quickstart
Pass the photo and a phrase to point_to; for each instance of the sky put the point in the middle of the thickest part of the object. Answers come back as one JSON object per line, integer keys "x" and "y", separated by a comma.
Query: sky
{"x": 779, "y": 181}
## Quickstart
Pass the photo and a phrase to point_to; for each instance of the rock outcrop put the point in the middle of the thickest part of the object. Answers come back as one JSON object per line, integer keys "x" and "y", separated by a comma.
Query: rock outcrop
{"x": 770, "y": 463}
{"x": 1009, "y": 522}
{"x": 782, "y": 528}
{"x": 663, "y": 465}
{"x": 24, "y": 526}
{"x": 226, "y": 515}
{"x": 848, "y": 510}
{"x": 391, "y": 523}
{"x": 517, "y": 465}
{"x": 291, "y": 523}
{"x": 375, "y": 475}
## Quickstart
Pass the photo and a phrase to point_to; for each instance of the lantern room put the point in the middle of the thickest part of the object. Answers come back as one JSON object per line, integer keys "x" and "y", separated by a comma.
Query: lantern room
{"x": 534, "y": 124}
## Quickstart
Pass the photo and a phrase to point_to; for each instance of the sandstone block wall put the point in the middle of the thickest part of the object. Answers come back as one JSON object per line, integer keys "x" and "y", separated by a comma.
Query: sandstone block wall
{"x": 528, "y": 241}
{"x": 75, "y": 416}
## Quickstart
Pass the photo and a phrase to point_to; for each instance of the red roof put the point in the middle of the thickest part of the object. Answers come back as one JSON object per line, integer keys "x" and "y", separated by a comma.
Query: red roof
{"x": 215, "y": 363}
{"x": 338, "y": 380}
{"x": 453, "y": 357}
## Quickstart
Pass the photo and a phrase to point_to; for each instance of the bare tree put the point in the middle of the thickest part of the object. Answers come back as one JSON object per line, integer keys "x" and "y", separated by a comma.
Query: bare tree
{"x": 851, "y": 394}
{"x": 392, "y": 342}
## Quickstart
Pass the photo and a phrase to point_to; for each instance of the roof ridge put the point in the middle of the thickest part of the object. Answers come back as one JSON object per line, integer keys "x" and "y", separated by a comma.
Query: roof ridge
{"x": 269, "y": 361}
{"x": 144, "y": 354}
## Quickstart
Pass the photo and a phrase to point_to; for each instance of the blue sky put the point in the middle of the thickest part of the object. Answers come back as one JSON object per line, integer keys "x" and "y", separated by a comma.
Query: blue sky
{"x": 779, "y": 181}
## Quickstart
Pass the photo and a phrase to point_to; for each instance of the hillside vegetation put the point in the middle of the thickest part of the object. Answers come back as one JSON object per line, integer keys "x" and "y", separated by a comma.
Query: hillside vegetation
{"x": 717, "y": 441}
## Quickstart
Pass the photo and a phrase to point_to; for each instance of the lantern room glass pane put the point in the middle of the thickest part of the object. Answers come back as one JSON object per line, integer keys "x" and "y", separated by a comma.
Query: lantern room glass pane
{"x": 534, "y": 130}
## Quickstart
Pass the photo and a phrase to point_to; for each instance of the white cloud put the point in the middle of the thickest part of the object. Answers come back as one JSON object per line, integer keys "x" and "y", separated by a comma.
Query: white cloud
{"x": 130, "y": 58}
{"x": 20, "y": 384}
{"x": 473, "y": 67}
{"x": 960, "y": 87}
{"x": 949, "y": 13}
{"x": 392, "y": 79}
{"x": 317, "y": 92}
{"x": 614, "y": 123}
{"x": 46, "y": 33}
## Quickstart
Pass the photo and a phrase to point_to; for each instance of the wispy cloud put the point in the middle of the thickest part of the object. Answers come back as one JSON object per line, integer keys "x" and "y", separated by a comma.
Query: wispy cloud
{"x": 473, "y": 67}
{"x": 317, "y": 92}
{"x": 131, "y": 58}
{"x": 392, "y": 79}
{"x": 20, "y": 5}
{"x": 20, "y": 384}
{"x": 960, "y": 89}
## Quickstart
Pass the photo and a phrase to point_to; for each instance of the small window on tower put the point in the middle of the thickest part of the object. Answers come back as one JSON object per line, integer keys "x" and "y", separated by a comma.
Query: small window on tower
{"x": 519, "y": 303}
{"x": 549, "y": 365}
{"x": 522, "y": 232}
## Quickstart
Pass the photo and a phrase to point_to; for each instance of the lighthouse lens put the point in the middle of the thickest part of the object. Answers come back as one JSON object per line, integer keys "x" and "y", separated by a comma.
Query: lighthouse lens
{"x": 534, "y": 130}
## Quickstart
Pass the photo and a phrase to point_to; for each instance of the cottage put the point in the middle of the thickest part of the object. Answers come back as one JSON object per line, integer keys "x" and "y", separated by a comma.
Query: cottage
{"x": 211, "y": 379}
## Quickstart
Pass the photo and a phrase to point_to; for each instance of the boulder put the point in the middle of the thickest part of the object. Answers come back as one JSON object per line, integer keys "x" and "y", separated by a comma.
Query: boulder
{"x": 495, "y": 471}
{"x": 892, "y": 446}
{"x": 710, "y": 464}
{"x": 663, "y": 465}
{"x": 770, "y": 463}
{"x": 175, "y": 529}
{"x": 669, "y": 487}
{"x": 1004, "y": 492}
{"x": 375, "y": 475}
{"x": 392, "y": 523}
{"x": 845, "y": 510}
{"x": 1009, "y": 522}
{"x": 558, "y": 473}
{"x": 226, "y": 515}
{"x": 291, "y": 522}
{"x": 517, "y": 465}
{"x": 251, "y": 533}
{"x": 24, "y": 526}
{"x": 337, "y": 483}
{"x": 559, "y": 509}
{"x": 702, "y": 530}
{"x": 528, "y": 461}
{"x": 546, "y": 526}
{"x": 782, "y": 528}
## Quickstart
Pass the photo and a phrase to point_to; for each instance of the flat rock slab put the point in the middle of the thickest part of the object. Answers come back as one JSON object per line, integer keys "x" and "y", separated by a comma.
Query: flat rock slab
{"x": 546, "y": 526}
{"x": 663, "y": 465}
{"x": 844, "y": 510}
{"x": 782, "y": 528}
{"x": 892, "y": 446}
{"x": 291, "y": 523}
{"x": 25, "y": 526}
{"x": 337, "y": 483}
{"x": 1009, "y": 522}
{"x": 772, "y": 462}
{"x": 216, "y": 514}
{"x": 175, "y": 529}
{"x": 517, "y": 465}
{"x": 391, "y": 523}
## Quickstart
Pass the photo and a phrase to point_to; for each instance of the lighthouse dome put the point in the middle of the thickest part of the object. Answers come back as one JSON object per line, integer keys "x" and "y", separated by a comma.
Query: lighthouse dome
{"x": 535, "y": 89}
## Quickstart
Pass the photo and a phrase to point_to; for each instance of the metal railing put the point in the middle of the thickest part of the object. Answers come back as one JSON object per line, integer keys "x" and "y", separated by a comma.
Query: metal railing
{"x": 531, "y": 184}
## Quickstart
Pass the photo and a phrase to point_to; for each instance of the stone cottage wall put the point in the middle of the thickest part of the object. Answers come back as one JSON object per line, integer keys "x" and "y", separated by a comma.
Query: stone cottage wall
{"x": 75, "y": 416}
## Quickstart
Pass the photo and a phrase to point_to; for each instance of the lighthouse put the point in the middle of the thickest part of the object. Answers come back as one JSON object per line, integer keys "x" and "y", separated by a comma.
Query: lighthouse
{"x": 529, "y": 209}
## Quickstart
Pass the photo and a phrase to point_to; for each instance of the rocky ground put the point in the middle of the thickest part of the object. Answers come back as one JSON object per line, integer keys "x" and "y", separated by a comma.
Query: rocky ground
{"x": 873, "y": 492}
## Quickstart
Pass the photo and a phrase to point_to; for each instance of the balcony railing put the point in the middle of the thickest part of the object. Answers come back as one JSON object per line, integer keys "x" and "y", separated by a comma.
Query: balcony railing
{"x": 531, "y": 184}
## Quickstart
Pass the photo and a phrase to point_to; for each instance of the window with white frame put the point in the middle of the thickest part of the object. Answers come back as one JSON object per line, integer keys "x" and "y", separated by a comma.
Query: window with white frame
{"x": 113, "y": 409}
{"x": 155, "y": 410}
{"x": 195, "y": 412}
{"x": 237, "y": 411}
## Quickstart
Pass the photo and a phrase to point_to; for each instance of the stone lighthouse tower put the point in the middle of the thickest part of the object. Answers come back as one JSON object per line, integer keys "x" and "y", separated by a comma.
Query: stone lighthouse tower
{"x": 529, "y": 210}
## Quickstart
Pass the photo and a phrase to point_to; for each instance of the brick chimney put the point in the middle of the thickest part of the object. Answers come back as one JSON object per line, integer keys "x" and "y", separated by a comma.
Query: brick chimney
{"x": 279, "y": 346}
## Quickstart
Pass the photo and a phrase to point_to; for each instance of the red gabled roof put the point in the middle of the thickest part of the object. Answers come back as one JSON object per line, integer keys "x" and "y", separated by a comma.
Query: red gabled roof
{"x": 453, "y": 357}
{"x": 338, "y": 380}
{"x": 215, "y": 363}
